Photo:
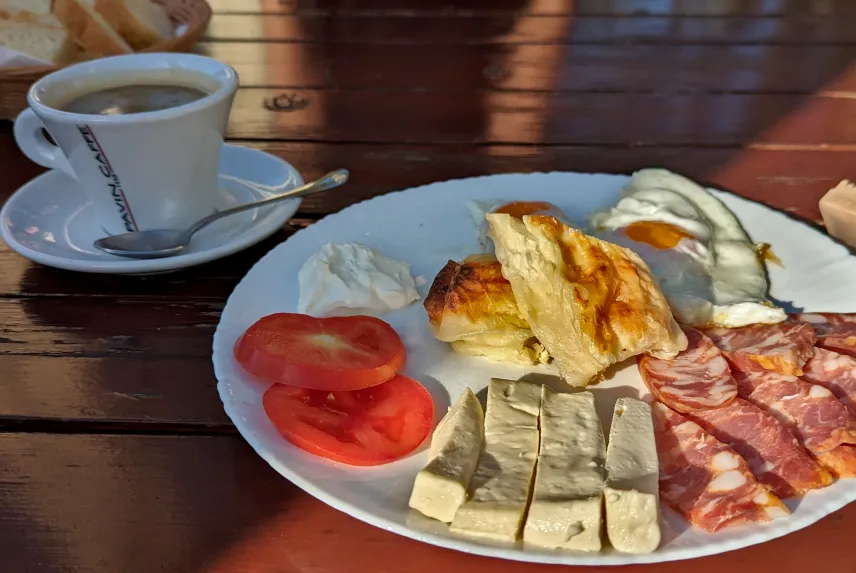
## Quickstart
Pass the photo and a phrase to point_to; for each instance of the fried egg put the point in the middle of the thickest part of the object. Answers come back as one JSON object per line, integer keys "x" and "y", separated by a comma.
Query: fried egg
{"x": 708, "y": 268}
{"x": 517, "y": 209}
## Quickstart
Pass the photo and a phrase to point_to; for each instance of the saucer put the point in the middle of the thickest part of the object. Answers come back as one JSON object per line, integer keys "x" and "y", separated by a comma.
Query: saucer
{"x": 50, "y": 221}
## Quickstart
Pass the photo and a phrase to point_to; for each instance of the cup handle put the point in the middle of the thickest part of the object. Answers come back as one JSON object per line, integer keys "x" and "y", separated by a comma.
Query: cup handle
{"x": 34, "y": 144}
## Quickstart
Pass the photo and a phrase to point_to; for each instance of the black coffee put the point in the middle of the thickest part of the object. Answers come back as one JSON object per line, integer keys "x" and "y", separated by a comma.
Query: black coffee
{"x": 124, "y": 100}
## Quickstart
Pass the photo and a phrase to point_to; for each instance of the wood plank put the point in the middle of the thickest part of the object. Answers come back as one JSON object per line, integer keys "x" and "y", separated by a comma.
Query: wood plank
{"x": 126, "y": 388}
{"x": 614, "y": 8}
{"x": 107, "y": 326}
{"x": 137, "y": 504}
{"x": 136, "y": 349}
{"x": 614, "y": 68}
{"x": 516, "y": 29}
{"x": 532, "y": 118}
{"x": 790, "y": 180}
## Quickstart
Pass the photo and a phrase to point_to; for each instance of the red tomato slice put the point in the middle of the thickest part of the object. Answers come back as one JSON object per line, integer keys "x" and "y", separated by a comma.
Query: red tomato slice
{"x": 343, "y": 353}
{"x": 361, "y": 428}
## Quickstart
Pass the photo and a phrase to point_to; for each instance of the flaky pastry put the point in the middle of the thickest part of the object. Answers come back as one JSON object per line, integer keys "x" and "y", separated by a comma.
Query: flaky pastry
{"x": 590, "y": 303}
{"x": 471, "y": 306}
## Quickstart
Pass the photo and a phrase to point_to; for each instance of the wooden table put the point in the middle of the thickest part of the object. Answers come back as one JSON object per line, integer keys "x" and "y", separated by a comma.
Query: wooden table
{"x": 115, "y": 453}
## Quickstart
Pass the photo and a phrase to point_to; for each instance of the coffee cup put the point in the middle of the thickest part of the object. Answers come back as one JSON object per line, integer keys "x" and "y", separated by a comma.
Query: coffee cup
{"x": 150, "y": 165}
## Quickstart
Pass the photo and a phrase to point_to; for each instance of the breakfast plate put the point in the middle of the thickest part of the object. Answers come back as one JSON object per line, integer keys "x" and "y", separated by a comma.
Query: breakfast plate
{"x": 50, "y": 221}
{"x": 427, "y": 227}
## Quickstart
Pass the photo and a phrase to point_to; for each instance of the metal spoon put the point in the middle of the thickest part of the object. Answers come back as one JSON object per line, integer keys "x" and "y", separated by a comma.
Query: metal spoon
{"x": 158, "y": 243}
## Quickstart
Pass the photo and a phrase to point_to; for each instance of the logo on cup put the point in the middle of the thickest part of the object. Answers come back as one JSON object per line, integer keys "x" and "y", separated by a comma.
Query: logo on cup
{"x": 114, "y": 185}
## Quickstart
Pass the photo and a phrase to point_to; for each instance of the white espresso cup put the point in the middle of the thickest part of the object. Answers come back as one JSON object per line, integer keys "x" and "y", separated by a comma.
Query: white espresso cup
{"x": 140, "y": 171}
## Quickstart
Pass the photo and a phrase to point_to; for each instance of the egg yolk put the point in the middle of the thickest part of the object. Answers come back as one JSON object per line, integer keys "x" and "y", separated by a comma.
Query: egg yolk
{"x": 656, "y": 233}
{"x": 518, "y": 209}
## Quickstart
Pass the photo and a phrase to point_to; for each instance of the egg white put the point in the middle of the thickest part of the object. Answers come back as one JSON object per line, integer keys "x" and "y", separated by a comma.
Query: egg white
{"x": 713, "y": 277}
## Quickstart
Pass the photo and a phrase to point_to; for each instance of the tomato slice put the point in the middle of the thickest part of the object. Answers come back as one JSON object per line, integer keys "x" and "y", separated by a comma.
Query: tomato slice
{"x": 342, "y": 353}
{"x": 361, "y": 428}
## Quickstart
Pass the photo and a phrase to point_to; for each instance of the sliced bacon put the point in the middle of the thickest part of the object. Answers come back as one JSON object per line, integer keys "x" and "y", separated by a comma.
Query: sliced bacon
{"x": 774, "y": 455}
{"x": 822, "y": 424}
{"x": 705, "y": 480}
{"x": 835, "y": 372}
{"x": 836, "y": 332}
{"x": 696, "y": 379}
{"x": 782, "y": 348}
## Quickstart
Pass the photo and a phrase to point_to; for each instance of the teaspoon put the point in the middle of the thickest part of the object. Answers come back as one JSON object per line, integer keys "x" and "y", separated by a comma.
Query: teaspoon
{"x": 159, "y": 243}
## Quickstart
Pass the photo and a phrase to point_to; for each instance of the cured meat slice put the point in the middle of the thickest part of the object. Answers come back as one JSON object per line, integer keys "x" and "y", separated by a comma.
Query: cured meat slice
{"x": 836, "y": 332}
{"x": 833, "y": 371}
{"x": 782, "y": 348}
{"x": 705, "y": 480}
{"x": 774, "y": 455}
{"x": 841, "y": 461}
{"x": 696, "y": 379}
{"x": 813, "y": 414}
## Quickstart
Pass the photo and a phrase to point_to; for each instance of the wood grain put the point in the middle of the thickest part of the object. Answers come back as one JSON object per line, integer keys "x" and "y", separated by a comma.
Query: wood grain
{"x": 121, "y": 389}
{"x": 613, "y": 8}
{"x": 105, "y": 326}
{"x": 517, "y": 29}
{"x": 531, "y": 118}
{"x": 606, "y": 68}
{"x": 209, "y": 504}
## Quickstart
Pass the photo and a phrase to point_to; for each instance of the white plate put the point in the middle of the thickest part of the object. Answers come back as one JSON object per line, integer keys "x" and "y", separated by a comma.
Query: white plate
{"x": 50, "y": 221}
{"x": 428, "y": 226}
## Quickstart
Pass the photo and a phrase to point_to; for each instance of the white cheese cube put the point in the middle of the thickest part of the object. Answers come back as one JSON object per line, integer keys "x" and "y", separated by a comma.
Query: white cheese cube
{"x": 441, "y": 487}
{"x": 566, "y": 508}
{"x": 502, "y": 481}
{"x": 632, "y": 491}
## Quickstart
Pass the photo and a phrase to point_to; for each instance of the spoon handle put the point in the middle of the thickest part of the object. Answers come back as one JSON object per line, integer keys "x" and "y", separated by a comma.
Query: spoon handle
{"x": 329, "y": 181}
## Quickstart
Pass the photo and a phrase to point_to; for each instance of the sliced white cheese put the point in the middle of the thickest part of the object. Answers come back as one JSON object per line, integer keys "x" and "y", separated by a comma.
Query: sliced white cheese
{"x": 566, "y": 508}
{"x": 632, "y": 491}
{"x": 441, "y": 487}
{"x": 502, "y": 481}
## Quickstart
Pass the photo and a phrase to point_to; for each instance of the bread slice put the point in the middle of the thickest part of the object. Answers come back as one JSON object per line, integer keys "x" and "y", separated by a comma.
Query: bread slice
{"x": 48, "y": 43}
{"x": 89, "y": 29}
{"x": 141, "y": 22}
{"x": 37, "y": 7}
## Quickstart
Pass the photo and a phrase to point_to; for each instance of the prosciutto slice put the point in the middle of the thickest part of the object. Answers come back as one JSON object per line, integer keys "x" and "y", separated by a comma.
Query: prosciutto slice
{"x": 696, "y": 379}
{"x": 782, "y": 348}
{"x": 836, "y": 332}
{"x": 822, "y": 424}
{"x": 835, "y": 372}
{"x": 773, "y": 454}
{"x": 705, "y": 480}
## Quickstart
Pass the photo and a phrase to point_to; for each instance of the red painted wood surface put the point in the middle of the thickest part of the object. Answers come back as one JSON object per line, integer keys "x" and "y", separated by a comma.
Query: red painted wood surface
{"x": 115, "y": 453}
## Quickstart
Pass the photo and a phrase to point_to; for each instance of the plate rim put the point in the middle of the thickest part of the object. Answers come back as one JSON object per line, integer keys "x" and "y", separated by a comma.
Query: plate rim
{"x": 277, "y": 216}
{"x": 753, "y": 537}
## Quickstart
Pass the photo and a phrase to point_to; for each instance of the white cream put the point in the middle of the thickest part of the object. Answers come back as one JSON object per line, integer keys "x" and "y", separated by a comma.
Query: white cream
{"x": 715, "y": 278}
{"x": 502, "y": 481}
{"x": 632, "y": 486}
{"x": 567, "y": 501}
{"x": 441, "y": 487}
{"x": 351, "y": 279}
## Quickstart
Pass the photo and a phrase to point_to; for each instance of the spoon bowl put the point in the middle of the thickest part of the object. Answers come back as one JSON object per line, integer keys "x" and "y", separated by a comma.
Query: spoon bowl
{"x": 159, "y": 243}
{"x": 153, "y": 244}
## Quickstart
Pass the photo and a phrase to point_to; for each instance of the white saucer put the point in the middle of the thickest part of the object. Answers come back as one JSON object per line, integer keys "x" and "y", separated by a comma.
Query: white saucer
{"x": 50, "y": 221}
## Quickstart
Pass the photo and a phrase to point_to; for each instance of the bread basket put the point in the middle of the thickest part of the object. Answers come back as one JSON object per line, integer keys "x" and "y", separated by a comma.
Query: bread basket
{"x": 191, "y": 15}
